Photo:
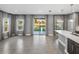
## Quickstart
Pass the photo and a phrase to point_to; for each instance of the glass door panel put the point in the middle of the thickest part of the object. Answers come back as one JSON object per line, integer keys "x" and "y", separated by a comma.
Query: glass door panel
{"x": 42, "y": 26}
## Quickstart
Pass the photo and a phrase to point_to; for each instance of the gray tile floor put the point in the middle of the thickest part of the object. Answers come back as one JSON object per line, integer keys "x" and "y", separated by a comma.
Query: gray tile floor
{"x": 37, "y": 44}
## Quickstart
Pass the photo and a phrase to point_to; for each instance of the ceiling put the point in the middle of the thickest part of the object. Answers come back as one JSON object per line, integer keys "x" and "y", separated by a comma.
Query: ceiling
{"x": 39, "y": 8}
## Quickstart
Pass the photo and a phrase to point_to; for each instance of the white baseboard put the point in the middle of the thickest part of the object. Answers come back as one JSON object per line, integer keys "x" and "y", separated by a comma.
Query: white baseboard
{"x": 50, "y": 34}
{"x": 28, "y": 34}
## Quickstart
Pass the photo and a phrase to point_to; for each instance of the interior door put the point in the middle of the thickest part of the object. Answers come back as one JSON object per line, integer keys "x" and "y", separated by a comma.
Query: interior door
{"x": 39, "y": 25}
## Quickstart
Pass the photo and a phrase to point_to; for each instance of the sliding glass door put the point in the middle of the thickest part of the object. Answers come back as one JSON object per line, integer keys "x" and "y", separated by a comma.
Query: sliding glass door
{"x": 39, "y": 25}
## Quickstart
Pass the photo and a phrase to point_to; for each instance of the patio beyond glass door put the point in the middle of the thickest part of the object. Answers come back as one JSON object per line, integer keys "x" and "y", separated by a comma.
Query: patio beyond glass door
{"x": 39, "y": 25}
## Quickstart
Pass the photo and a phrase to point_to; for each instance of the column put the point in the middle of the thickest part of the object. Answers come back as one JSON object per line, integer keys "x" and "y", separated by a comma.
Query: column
{"x": 50, "y": 25}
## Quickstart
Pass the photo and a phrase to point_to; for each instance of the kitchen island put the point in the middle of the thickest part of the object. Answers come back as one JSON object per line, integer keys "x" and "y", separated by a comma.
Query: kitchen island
{"x": 68, "y": 42}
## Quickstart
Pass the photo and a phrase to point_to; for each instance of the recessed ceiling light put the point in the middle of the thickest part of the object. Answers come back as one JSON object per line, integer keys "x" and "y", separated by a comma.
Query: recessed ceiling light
{"x": 62, "y": 10}
{"x": 50, "y": 10}
{"x": 71, "y": 4}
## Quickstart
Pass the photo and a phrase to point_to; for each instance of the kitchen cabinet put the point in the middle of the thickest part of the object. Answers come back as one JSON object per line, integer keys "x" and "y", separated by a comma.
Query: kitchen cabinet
{"x": 70, "y": 47}
{"x": 76, "y": 48}
{"x": 73, "y": 47}
{"x": 69, "y": 42}
{"x": 62, "y": 43}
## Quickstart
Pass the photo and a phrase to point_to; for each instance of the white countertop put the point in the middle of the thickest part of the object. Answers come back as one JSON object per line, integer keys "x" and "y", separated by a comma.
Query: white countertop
{"x": 68, "y": 34}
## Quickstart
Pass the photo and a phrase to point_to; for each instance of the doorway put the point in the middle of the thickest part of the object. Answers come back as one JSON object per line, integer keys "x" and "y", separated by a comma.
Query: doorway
{"x": 39, "y": 25}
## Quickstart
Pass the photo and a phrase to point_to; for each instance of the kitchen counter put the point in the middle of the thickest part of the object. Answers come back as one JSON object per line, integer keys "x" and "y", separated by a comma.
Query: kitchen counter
{"x": 69, "y": 35}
